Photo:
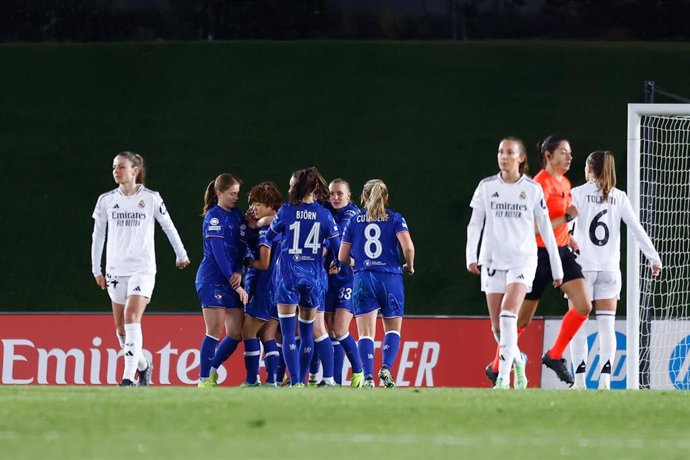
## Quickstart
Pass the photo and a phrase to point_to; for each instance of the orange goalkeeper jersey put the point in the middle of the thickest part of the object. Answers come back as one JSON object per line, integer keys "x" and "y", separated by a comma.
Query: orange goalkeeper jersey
{"x": 557, "y": 196}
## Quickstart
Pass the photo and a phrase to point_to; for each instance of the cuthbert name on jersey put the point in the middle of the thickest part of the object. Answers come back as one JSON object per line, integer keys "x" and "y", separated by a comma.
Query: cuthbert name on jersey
{"x": 508, "y": 210}
{"x": 128, "y": 219}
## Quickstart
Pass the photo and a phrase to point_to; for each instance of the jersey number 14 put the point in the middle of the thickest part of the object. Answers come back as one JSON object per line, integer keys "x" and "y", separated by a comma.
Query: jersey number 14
{"x": 312, "y": 242}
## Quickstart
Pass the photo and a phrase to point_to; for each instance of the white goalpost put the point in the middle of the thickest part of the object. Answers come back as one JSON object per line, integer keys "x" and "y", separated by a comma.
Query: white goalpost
{"x": 658, "y": 309}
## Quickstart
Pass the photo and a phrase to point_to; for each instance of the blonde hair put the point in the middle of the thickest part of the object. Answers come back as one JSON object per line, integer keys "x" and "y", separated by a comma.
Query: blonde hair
{"x": 374, "y": 198}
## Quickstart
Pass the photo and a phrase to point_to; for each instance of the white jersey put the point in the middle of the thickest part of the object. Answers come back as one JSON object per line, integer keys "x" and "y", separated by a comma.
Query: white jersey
{"x": 510, "y": 211}
{"x": 130, "y": 225}
{"x": 598, "y": 226}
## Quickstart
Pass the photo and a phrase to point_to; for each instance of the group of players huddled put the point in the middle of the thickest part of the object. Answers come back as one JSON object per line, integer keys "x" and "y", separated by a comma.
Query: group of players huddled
{"x": 576, "y": 248}
{"x": 288, "y": 276}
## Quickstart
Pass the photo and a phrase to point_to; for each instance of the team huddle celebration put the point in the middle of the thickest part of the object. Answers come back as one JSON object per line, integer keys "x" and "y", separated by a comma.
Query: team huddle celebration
{"x": 286, "y": 277}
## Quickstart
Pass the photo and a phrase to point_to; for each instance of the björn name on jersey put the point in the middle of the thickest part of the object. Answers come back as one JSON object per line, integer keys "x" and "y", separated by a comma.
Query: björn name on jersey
{"x": 311, "y": 215}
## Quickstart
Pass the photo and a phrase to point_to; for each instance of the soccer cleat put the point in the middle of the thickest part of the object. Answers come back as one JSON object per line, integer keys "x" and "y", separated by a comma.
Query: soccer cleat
{"x": 206, "y": 384}
{"x": 502, "y": 384}
{"x": 270, "y": 385}
{"x": 385, "y": 375}
{"x": 324, "y": 384}
{"x": 313, "y": 383}
{"x": 491, "y": 374}
{"x": 297, "y": 385}
{"x": 559, "y": 367}
{"x": 250, "y": 385}
{"x": 357, "y": 379}
{"x": 145, "y": 376}
{"x": 213, "y": 377}
{"x": 127, "y": 383}
{"x": 520, "y": 374}
{"x": 285, "y": 382}
{"x": 368, "y": 383}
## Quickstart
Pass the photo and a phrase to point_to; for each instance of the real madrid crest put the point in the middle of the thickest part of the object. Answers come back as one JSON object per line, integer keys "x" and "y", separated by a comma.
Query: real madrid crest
{"x": 141, "y": 203}
{"x": 523, "y": 195}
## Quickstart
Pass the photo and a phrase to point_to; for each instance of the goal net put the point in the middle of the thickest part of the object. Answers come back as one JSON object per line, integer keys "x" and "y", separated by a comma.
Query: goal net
{"x": 658, "y": 309}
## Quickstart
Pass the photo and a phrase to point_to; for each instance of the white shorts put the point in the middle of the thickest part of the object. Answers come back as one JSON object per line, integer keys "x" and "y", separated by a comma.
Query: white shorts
{"x": 604, "y": 284}
{"x": 121, "y": 287}
{"x": 495, "y": 281}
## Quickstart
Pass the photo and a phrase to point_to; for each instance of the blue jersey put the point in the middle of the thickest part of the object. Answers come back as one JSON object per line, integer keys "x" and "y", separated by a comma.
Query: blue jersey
{"x": 262, "y": 281}
{"x": 304, "y": 227}
{"x": 223, "y": 248}
{"x": 342, "y": 217}
{"x": 375, "y": 242}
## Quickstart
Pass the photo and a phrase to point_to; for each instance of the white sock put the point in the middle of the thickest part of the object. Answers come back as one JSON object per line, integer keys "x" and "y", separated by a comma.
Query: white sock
{"x": 508, "y": 344}
{"x": 134, "y": 340}
{"x": 142, "y": 363}
{"x": 606, "y": 323}
{"x": 579, "y": 352}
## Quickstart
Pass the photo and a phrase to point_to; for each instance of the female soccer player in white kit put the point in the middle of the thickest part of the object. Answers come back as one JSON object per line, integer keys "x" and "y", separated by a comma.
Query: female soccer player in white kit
{"x": 601, "y": 208}
{"x": 127, "y": 215}
{"x": 507, "y": 206}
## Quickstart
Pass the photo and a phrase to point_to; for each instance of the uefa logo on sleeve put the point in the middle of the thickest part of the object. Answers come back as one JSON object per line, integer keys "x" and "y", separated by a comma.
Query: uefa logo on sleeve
{"x": 679, "y": 365}
{"x": 618, "y": 371}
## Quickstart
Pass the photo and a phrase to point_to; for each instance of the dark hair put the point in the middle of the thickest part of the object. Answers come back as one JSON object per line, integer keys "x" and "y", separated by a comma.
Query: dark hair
{"x": 374, "y": 198}
{"x": 307, "y": 181}
{"x": 549, "y": 144}
{"x": 137, "y": 162}
{"x": 604, "y": 170}
{"x": 266, "y": 193}
{"x": 524, "y": 166}
{"x": 220, "y": 184}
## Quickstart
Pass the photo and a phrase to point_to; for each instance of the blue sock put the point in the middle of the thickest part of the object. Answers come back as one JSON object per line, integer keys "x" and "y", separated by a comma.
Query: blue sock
{"x": 324, "y": 347}
{"x": 349, "y": 346}
{"x": 290, "y": 353}
{"x": 315, "y": 361}
{"x": 366, "y": 352}
{"x": 280, "y": 370}
{"x": 271, "y": 360}
{"x": 391, "y": 344}
{"x": 207, "y": 351}
{"x": 306, "y": 346}
{"x": 338, "y": 359}
{"x": 252, "y": 356}
{"x": 225, "y": 349}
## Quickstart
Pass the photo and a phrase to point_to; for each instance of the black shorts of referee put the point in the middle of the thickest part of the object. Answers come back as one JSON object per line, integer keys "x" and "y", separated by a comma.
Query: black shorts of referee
{"x": 542, "y": 278}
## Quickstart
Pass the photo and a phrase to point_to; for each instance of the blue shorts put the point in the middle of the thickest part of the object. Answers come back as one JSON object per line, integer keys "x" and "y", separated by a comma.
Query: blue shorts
{"x": 304, "y": 294}
{"x": 339, "y": 297}
{"x": 218, "y": 295}
{"x": 262, "y": 306}
{"x": 374, "y": 290}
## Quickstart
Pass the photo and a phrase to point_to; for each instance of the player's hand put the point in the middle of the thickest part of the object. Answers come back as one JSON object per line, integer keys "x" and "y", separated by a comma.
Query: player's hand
{"x": 244, "y": 297}
{"x": 235, "y": 280}
{"x": 408, "y": 269}
{"x": 656, "y": 269}
{"x": 334, "y": 268}
{"x": 182, "y": 263}
{"x": 100, "y": 281}
{"x": 572, "y": 211}
{"x": 557, "y": 282}
{"x": 474, "y": 268}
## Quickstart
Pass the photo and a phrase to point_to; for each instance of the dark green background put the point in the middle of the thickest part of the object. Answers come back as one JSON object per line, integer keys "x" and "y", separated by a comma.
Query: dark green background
{"x": 424, "y": 117}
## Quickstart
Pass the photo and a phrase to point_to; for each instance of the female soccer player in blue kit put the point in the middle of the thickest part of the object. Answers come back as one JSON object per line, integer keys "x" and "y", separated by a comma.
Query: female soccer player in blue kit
{"x": 370, "y": 243}
{"x": 339, "y": 309}
{"x": 218, "y": 280}
{"x": 261, "y": 315}
{"x": 304, "y": 226}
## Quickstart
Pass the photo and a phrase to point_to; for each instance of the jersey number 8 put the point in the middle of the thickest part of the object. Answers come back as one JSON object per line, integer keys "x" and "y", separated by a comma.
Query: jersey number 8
{"x": 372, "y": 247}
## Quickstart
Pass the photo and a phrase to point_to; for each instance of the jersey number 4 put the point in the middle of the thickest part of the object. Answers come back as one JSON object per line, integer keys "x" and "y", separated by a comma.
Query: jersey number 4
{"x": 312, "y": 242}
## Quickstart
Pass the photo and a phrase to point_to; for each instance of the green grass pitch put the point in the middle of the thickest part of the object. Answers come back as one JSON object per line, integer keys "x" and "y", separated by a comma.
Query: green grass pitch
{"x": 285, "y": 423}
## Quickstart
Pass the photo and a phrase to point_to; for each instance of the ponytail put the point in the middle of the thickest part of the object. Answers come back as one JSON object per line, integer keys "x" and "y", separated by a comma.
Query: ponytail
{"x": 374, "y": 198}
{"x": 549, "y": 144}
{"x": 524, "y": 165}
{"x": 307, "y": 181}
{"x": 603, "y": 167}
{"x": 137, "y": 162}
